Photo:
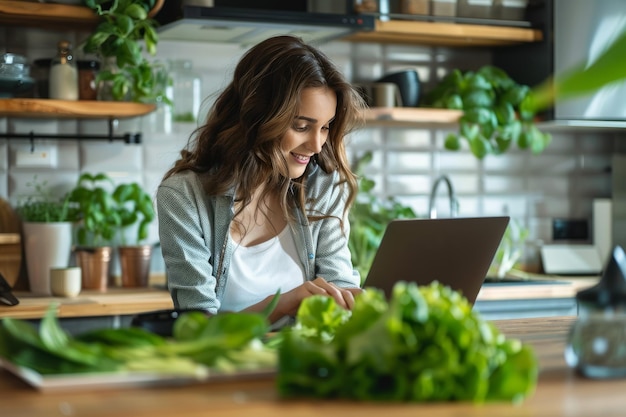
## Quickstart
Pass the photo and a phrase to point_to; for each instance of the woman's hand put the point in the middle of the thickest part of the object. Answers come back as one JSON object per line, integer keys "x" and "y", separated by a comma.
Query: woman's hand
{"x": 289, "y": 302}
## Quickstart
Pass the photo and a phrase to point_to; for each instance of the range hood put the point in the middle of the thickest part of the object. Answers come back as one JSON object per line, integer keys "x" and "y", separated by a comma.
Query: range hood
{"x": 251, "y": 21}
{"x": 575, "y": 32}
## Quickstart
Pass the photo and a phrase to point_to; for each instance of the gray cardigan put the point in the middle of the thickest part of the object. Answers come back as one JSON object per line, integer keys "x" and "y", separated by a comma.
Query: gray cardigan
{"x": 194, "y": 227}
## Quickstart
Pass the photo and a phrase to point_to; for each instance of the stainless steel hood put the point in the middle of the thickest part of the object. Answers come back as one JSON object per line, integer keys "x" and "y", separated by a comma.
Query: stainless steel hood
{"x": 249, "y": 22}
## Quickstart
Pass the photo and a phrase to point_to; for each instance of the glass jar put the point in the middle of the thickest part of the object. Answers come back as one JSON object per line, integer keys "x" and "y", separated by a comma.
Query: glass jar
{"x": 186, "y": 91}
{"x": 63, "y": 80}
{"x": 87, "y": 72}
{"x": 597, "y": 341}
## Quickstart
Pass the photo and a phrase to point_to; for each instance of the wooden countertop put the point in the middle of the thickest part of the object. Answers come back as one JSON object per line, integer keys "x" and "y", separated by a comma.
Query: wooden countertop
{"x": 560, "y": 392}
{"x": 128, "y": 301}
{"x": 115, "y": 301}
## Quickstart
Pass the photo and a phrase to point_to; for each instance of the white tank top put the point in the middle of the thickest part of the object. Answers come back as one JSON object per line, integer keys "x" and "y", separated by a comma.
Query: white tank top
{"x": 258, "y": 271}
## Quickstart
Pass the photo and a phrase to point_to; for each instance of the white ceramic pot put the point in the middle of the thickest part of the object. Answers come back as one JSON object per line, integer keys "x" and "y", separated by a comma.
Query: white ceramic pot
{"x": 46, "y": 246}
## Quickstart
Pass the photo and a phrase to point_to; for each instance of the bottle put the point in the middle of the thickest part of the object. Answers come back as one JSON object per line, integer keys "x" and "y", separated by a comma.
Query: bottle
{"x": 596, "y": 342}
{"x": 63, "y": 80}
{"x": 186, "y": 91}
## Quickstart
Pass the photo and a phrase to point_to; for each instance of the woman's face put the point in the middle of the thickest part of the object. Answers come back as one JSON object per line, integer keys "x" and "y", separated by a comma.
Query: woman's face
{"x": 309, "y": 130}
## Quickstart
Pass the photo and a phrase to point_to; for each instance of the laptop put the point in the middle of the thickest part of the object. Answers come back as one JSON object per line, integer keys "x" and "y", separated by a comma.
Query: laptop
{"x": 457, "y": 252}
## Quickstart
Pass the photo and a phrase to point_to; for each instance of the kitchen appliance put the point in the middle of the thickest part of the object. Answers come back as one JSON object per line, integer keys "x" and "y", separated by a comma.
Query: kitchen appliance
{"x": 251, "y": 21}
{"x": 575, "y": 32}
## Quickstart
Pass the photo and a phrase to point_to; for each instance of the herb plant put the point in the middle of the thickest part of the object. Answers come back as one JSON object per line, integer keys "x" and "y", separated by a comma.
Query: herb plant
{"x": 42, "y": 206}
{"x": 125, "y": 24}
{"x": 424, "y": 344}
{"x": 96, "y": 209}
{"x": 134, "y": 207}
{"x": 493, "y": 116}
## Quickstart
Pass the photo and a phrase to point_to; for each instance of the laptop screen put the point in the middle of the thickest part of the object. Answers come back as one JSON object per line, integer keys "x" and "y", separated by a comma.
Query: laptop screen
{"x": 457, "y": 252}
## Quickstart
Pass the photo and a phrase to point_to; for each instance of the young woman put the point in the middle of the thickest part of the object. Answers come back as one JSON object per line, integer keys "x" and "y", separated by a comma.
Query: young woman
{"x": 258, "y": 200}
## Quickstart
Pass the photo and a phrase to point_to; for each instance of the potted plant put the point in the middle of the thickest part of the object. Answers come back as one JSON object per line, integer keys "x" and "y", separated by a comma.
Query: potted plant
{"x": 369, "y": 216}
{"x": 136, "y": 212}
{"x": 118, "y": 40}
{"x": 493, "y": 115}
{"x": 98, "y": 222}
{"x": 47, "y": 234}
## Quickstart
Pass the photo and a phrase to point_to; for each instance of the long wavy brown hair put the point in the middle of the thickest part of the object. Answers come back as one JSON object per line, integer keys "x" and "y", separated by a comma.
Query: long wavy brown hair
{"x": 239, "y": 145}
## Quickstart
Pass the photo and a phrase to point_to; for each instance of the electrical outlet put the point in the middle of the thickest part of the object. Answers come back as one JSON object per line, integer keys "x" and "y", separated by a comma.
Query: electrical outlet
{"x": 40, "y": 157}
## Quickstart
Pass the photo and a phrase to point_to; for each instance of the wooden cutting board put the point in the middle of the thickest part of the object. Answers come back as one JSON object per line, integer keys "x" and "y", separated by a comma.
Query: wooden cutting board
{"x": 12, "y": 264}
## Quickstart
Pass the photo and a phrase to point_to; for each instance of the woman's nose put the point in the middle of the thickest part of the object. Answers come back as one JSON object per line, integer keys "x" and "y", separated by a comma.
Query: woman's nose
{"x": 316, "y": 142}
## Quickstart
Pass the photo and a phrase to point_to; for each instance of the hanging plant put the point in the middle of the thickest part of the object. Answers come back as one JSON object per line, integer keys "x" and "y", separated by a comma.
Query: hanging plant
{"x": 119, "y": 40}
{"x": 493, "y": 119}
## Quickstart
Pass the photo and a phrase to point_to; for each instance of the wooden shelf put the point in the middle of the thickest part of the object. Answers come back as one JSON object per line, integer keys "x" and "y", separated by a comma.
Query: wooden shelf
{"x": 52, "y": 15}
{"x": 409, "y": 116}
{"x": 446, "y": 34}
{"x": 43, "y": 108}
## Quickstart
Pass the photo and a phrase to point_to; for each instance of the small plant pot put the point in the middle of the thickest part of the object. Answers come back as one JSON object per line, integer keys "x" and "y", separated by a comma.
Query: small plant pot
{"x": 135, "y": 265}
{"x": 94, "y": 263}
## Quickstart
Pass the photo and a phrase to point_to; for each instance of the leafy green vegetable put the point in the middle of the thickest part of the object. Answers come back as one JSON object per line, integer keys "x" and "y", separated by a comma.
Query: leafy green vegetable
{"x": 493, "y": 114}
{"x": 425, "y": 344}
{"x": 225, "y": 342}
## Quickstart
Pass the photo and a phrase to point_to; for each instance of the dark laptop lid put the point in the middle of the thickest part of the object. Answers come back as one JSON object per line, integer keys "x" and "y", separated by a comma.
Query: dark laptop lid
{"x": 457, "y": 252}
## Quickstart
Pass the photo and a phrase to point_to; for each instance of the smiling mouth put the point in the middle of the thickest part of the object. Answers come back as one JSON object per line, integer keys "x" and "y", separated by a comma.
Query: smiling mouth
{"x": 301, "y": 158}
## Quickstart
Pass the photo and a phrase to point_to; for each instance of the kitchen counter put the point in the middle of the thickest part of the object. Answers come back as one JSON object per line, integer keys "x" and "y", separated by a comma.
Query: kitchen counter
{"x": 560, "y": 392}
{"x": 113, "y": 302}
{"x": 118, "y": 301}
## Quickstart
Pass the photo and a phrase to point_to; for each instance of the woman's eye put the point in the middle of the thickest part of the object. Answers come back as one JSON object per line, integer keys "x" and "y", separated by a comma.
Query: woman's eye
{"x": 300, "y": 128}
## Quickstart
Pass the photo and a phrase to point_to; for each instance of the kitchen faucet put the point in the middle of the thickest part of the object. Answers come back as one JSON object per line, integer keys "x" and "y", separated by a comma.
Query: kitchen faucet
{"x": 454, "y": 204}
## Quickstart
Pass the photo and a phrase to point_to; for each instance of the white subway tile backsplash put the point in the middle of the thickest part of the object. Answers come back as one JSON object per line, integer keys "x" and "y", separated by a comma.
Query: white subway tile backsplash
{"x": 402, "y": 162}
{"x": 57, "y": 182}
{"x": 407, "y": 184}
{"x": 503, "y": 184}
{"x": 550, "y": 164}
{"x": 110, "y": 156}
{"x": 160, "y": 155}
{"x": 514, "y": 205}
{"x": 41, "y": 126}
{"x": 4, "y": 155}
{"x": 409, "y": 138}
{"x": 450, "y": 161}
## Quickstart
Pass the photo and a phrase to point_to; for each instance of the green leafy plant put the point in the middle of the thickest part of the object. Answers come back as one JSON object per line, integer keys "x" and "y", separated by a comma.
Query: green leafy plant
{"x": 135, "y": 208}
{"x": 43, "y": 207}
{"x": 510, "y": 250}
{"x": 493, "y": 118}
{"x": 97, "y": 210}
{"x": 125, "y": 24}
{"x": 107, "y": 211}
{"x": 369, "y": 217}
{"x": 424, "y": 344}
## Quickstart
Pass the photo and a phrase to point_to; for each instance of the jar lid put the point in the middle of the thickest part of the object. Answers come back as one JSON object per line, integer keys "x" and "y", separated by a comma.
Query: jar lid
{"x": 88, "y": 64}
{"x": 610, "y": 291}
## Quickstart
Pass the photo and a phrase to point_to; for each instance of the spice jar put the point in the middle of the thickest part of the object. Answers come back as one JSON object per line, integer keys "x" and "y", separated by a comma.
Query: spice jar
{"x": 597, "y": 340}
{"x": 87, "y": 71}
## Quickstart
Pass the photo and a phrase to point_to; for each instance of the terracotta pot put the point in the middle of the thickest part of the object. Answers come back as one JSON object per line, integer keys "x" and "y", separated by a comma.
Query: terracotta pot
{"x": 135, "y": 265}
{"x": 94, "y": 263}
